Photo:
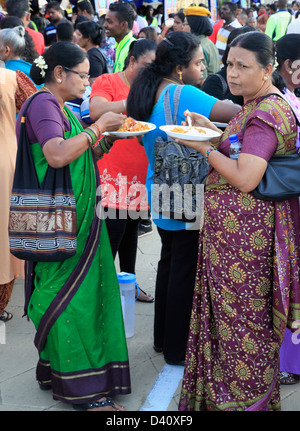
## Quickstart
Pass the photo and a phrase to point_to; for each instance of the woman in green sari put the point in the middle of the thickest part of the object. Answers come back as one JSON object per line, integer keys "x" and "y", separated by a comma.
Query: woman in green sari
{"x": 75, "y": 304}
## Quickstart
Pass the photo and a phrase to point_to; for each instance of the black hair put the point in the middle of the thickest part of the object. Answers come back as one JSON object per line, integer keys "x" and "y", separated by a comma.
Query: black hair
{"x": 65, "y": 54}
{"x": 17, "y": 7}
{"x": 232, "y": 6}
{"x": 150, "y": 33}
{"x": 10, "y": 22}
{"x": 138, "y": 48}
{"x": 178, "y": 48}
{"x": 124, "y": 12}
{"x": 200, "y": 25}
{"x": 54, "y": 5}
{"x": 180, "y": 15}
{"x": 287, "y": 48}
{"x": 79, "y": 19}
{"x": 85, "y": 5}
{"x": 64, "y": 31}
{"x": 258, "y": 43}
{"x": 236, "y": 32}
{"x": 93, "y": 30}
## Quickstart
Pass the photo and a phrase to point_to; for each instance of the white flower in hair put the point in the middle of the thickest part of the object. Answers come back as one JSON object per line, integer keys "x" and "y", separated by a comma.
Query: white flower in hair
{"x": 40, "y": 62}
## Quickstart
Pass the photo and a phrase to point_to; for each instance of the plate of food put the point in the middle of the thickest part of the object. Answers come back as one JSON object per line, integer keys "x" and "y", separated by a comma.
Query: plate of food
{"x": 190, "y": 133}
{"x": 132, "y": 127}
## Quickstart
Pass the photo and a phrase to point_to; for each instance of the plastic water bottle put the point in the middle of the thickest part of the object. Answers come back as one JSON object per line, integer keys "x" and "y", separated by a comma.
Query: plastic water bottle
{"x": 235, "y": 147}
{"x": 127, "y": 290}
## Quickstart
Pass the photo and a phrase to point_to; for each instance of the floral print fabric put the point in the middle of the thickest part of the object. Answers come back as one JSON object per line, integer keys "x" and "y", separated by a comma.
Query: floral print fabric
{"x": 246, "y": 286}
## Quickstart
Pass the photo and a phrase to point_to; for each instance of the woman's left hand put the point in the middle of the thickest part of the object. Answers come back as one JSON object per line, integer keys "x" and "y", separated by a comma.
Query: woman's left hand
{"x": 200, "y": 146}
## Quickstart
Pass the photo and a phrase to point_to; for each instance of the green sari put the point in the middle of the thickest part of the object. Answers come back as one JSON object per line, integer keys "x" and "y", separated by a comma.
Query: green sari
{"x": 75, "y": 304}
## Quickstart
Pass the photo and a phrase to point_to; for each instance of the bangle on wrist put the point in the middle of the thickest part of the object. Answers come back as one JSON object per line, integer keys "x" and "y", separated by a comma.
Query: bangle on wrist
{"x": 89, "y": 132}
{"x": 90, "y": 140}
{"x": 92, "y": 134}
{"x": 98, "y": 128}
{"x": 208, "y": 152}
{"x": 102, "y": 144}
{"x": 124, "y": 103}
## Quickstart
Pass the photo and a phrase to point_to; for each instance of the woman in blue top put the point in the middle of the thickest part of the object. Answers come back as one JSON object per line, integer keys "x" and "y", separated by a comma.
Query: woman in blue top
{"x": 179, "y": 61}
{"x": 13, "y": 49}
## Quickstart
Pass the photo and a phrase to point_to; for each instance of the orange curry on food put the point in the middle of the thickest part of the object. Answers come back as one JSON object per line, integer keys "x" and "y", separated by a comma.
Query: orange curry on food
{"x": 130, "y": 125}
{"x": 177, "y": 129}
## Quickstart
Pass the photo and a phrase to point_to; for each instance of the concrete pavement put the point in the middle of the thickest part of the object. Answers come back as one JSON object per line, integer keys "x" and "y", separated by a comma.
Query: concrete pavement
{"x": 155, "y": 385}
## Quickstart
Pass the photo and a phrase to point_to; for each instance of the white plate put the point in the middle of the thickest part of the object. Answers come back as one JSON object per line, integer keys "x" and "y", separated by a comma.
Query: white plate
{"x": 129, "y": 134}
{"x": 221, "y": 125}
{"x": 192, "y": 134}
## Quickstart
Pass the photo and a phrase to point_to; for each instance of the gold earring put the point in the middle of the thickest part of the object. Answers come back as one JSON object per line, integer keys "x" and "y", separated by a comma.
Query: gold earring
{"x": 180, "y": 75}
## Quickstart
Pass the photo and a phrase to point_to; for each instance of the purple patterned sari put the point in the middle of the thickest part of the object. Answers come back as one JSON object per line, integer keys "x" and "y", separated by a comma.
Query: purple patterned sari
{"x": 247, "y": 283}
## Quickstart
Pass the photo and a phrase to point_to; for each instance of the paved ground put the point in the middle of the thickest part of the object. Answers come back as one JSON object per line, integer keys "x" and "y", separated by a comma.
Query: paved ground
{"x": 155, "y": 385}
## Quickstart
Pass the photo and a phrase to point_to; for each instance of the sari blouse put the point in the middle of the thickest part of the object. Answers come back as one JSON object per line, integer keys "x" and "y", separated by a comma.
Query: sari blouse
{"x": 264, "y": 126}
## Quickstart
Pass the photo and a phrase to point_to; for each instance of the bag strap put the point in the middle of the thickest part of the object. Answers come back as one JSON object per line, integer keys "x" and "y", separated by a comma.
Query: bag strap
{"x": 28, "y": 103}
{"x": 223, "y": 82}
{"x": 167, "y": 105}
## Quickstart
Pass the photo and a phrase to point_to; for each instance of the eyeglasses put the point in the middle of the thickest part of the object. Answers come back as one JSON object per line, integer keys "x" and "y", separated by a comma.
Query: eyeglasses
{"x": 83, "y": 76}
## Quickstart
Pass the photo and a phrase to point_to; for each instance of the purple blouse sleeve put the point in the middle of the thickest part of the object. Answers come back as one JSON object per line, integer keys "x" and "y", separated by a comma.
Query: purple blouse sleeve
{"x": 45, "y": 120}
{"x": 259, "y": 139}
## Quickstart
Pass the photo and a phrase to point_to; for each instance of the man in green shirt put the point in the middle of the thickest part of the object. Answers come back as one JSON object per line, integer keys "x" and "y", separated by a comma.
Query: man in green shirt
{"x": 277, "y": 23}
{"x": 118, "y": 24}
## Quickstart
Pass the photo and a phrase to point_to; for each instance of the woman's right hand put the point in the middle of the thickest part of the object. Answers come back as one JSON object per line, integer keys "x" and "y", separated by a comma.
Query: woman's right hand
{"x": 110, "y": 121}
{"x": 198, "y": 120}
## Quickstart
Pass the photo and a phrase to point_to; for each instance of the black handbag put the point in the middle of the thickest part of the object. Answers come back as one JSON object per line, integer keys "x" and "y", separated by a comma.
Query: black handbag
{"x": 179, "y": 173}
{"x": 42, "y": 219}
{"x": 281, "y": 180}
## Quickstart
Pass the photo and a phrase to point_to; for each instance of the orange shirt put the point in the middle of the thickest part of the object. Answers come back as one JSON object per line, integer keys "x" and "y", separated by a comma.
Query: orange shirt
{"x": 122, "y": 171}
{"x": 38, "y": 40}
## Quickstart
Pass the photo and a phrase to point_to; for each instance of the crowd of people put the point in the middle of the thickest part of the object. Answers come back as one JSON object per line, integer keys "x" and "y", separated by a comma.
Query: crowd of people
{"x": 227, "y": 290}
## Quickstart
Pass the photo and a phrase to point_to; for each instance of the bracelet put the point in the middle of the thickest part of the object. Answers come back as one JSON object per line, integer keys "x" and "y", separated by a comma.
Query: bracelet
{"x": 103, "y": 143}
{"x": 97, "y": 127}
{"x": 92, "y": 134}
{"x": 89, "y": 138}
{"x": 208, "y": 152}
{"x": 124, "y": 104}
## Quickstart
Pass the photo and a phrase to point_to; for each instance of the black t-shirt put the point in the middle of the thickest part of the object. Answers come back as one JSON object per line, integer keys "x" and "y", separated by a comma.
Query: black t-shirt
{"x": 216, "y": 85}
{"x": 97, "y": 62}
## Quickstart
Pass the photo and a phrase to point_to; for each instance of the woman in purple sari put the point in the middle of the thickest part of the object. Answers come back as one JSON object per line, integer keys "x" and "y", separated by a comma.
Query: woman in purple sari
{"x": 247, "y": 283}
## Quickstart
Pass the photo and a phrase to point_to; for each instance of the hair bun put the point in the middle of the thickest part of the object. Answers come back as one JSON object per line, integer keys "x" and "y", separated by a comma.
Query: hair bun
{"x": 21, "y": 30}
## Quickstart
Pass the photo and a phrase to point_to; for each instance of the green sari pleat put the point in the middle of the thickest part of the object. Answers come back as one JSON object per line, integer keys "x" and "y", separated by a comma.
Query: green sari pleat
{"x": 89, "y": 335}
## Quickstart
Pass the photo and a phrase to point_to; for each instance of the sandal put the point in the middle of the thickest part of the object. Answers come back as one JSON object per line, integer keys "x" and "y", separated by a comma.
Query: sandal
{"x": 149, "y": 297}
{"x": 103, "y": 402}
{"x": 6, "y": 316}
{"x": 289, "y": 378}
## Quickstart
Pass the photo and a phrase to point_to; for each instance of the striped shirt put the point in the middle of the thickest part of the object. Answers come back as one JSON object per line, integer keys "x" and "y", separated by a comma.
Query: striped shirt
{"x": 222, "y": 36}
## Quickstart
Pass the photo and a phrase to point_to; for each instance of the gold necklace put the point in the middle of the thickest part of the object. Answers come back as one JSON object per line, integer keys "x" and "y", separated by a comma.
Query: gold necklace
{"x": 126, "y": 80}
{"x": 49, "y": 91}
{"x": 174, "y": 82}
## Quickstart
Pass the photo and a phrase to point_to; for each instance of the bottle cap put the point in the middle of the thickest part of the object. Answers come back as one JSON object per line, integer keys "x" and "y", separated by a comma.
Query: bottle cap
{"x": 126, "y": 277}
{"x": 233, "y": 138}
